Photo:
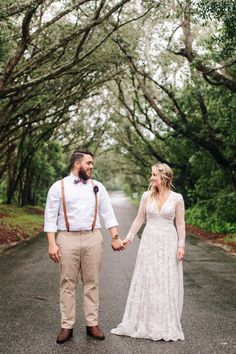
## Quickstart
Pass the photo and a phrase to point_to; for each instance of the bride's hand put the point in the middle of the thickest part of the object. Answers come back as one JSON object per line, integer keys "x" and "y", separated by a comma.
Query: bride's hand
{"x": 180, "y": 253}
{"x": 126, "y": 243}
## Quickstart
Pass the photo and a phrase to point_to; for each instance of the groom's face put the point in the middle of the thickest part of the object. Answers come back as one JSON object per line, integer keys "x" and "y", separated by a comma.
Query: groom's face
{"x": 85, "y": 167}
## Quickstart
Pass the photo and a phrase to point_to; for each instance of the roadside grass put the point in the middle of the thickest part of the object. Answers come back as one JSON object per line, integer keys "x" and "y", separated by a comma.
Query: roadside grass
{"x": 27, "y": 222}
{"x": 230, "y": 238}
{"x": 14, "y": 210}
{"x": 17, "y": 224}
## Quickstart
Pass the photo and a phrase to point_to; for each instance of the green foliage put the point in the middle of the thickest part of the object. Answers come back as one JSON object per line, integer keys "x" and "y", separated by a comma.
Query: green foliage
{"x": 47, "y": 166}
{"x": 224, "y": 11}
{"x": 3, "y": 48}
{"x": 3, "y": 187}
{"x": 106, "y": 170}
{"x": 199, "y": 215}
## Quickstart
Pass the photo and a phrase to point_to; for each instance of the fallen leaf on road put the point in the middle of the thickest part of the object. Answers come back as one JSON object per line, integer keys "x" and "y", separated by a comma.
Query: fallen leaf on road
{"x": 40, "y": 298}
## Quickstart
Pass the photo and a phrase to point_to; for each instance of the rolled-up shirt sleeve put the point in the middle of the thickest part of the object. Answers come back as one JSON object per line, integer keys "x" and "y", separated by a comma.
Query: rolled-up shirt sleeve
{"x": 52, "y": 209}
{"x": 106, "y": 209}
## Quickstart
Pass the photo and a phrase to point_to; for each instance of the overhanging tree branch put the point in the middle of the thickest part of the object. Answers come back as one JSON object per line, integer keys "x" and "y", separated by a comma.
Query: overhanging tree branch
{"x": 25, "y": 39}
{"x": 195, "y": 59}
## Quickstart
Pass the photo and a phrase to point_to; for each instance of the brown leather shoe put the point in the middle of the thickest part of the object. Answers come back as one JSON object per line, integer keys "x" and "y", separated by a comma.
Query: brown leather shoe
{"x": 64, "y": 335}
{"x": 95, "y": 332}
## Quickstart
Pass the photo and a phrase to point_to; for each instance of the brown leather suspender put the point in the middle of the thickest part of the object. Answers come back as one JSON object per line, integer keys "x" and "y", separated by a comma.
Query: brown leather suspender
{"x": 64, "y": 206}
{"x": 96, "y": 207}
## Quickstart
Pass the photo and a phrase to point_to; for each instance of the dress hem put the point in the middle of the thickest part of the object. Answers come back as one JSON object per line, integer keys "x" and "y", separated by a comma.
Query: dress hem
{"x": 161, "y": 337}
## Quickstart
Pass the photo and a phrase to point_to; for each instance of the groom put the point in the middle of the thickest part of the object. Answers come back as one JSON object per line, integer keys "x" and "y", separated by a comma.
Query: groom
{"x": 71, "y": 213}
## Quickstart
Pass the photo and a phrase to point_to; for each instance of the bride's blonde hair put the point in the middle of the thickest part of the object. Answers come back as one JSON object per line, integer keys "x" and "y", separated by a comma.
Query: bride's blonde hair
{"x": 167, "y": 175}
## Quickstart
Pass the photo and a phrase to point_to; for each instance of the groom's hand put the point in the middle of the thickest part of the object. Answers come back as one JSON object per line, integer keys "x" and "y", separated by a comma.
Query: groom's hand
{"x": 54, "y": 252}
{"x": 117, "y": 244}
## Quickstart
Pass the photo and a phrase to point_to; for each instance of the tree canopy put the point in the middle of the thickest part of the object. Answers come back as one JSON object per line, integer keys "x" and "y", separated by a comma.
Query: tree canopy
{"x": 134, "y": 81}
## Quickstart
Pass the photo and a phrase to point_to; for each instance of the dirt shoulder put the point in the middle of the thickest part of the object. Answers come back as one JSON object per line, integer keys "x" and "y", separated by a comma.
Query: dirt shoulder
{"x": 222, "y": 240}
{"x": 19, "y": 224}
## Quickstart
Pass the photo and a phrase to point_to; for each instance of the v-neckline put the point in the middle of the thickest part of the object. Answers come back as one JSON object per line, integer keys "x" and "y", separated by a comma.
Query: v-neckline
{"x": 165, "y": 201}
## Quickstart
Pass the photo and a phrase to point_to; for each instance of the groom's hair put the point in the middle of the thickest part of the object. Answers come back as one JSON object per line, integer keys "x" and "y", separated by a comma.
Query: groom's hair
{"x": 78, "y": 156}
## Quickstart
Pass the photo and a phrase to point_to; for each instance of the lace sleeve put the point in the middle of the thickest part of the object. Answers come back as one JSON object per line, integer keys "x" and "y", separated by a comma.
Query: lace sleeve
{"x": 180, "y": 221}
{"x": 139, "y": 220}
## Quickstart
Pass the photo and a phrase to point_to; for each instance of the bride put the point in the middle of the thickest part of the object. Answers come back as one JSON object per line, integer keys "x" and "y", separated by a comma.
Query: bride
{"x": 154, "y": 305}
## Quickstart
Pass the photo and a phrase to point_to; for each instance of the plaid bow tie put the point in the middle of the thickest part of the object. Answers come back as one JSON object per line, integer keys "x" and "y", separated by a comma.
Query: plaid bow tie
{"x": 78, "y": 180}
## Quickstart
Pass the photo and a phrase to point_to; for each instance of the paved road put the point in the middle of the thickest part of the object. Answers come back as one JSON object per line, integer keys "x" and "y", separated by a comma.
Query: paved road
{"x": 29, "y": 303}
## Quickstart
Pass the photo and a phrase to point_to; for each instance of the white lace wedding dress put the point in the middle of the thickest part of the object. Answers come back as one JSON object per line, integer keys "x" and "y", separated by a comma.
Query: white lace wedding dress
{"x": 155, "y": 299}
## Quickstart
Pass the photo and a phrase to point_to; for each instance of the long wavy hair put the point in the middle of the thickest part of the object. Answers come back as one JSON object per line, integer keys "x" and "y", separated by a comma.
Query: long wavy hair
{"x": 166, "y": 175}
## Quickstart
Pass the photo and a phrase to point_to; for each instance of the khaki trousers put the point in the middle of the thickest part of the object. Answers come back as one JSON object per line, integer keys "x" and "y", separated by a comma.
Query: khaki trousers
{"x": 81, "y": 252}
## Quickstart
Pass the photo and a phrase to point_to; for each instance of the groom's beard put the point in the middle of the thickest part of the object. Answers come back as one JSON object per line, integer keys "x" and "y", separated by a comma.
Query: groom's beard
{"x": 83, "y": 174}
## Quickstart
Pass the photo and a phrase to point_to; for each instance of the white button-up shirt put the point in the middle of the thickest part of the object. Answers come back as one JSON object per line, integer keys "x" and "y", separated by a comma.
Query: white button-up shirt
{"x": 80, "y": 206}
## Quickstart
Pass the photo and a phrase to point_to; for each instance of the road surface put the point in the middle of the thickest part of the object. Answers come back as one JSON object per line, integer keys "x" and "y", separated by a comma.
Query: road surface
{"x": 29, "y": 299}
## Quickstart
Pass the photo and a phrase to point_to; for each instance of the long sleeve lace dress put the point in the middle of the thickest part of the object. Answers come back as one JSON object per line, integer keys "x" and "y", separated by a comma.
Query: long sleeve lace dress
{"x": 155, "y": 300}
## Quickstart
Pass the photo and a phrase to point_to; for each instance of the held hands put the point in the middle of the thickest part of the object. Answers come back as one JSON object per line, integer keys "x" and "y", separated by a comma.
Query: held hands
{"x": 119, "y": 245}
{"x": 54, "y": 252}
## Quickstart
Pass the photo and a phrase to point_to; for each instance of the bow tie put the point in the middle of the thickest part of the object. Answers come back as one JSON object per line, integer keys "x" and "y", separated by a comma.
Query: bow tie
{"x": 77, "y": 180}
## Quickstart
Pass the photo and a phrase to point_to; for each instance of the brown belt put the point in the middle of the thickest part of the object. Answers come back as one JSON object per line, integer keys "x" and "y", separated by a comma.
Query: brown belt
{"x": 77, "y": 231}
{"x": 64, "y": 206}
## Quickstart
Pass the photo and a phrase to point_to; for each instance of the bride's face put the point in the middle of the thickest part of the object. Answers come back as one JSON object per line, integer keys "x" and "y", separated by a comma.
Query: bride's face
{"x": 155, "y": 178}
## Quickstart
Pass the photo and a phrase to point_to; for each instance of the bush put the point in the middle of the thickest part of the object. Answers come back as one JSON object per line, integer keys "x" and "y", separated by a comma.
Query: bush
{"x": 200, "y": 215}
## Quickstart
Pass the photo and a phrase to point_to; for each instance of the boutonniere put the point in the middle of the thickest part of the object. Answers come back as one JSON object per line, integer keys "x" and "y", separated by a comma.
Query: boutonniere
{"x": 95, "y": 189}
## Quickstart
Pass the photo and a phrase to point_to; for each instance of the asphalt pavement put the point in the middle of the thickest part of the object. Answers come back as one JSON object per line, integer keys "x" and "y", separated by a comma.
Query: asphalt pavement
{"x": 29, "y": 299}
